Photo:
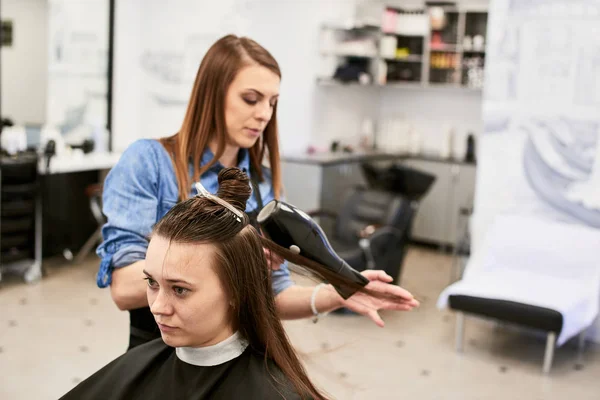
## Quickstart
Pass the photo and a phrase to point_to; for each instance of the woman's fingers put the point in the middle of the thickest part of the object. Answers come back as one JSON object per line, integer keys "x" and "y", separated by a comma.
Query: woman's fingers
{"x": 379, "y": 275}
{"x": 375, "y": 317}
{"x": 390, "y": 305}
{"x": 390, "y": 290}
{"x": 274, "y": 261}
{"x": 363, "y": 309}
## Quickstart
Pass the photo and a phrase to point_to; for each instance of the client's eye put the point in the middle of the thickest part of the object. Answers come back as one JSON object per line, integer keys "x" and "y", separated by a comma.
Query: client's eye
{"x": 151, "y": 283}
{"x": 179, "y": 291}
{"x": 250, "y": 101}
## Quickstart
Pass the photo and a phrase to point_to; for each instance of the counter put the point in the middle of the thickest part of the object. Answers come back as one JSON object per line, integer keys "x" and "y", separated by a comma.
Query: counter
{"x": 337, "y": 158}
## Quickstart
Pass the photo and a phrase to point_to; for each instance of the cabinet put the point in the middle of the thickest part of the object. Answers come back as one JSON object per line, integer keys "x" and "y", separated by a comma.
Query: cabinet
{"x": 319, "y": 186}
{"x": 432, "y": 222}
{"x": 439, "y": 211}
{"x": 337, "y": 180}
{"x": 19, "y": 213}
{"x": 439, "y": 46}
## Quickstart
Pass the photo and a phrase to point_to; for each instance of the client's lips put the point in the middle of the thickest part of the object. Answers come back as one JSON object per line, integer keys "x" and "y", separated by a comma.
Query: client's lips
{"x": 166, "y": 328}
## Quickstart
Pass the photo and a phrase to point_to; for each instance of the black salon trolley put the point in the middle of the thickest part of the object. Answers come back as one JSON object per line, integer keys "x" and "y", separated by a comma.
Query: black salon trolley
{"x": 20, "y": 216}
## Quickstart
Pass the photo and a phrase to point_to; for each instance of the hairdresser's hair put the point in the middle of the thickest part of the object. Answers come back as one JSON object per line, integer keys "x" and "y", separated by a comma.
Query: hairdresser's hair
{"x": 205, "y": 115}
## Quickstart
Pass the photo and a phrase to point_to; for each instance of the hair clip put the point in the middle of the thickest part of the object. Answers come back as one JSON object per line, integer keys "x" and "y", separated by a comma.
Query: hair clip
{"x": 205, "y": 193}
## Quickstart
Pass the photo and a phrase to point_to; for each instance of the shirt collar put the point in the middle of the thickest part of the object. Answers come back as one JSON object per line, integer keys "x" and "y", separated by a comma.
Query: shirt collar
{"x": 217, "y": 354}
{"x": 243, "y": 160}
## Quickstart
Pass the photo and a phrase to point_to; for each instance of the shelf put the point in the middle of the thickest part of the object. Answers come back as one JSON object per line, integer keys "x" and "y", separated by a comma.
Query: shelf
{"x": 334, "y": 82}
{"x": 448, "y": 48}
{"x": 402, "y": 85}
{"x": 427, "y": 52}
{"x": 413, "y": 58}
{"x": 334, "y": 54}
{"x": 342, "y": 27}
{"x": 448, "y": 8}
{"x": 405, "y": 35}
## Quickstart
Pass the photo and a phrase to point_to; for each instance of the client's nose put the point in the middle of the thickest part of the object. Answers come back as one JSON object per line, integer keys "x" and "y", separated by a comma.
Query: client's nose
{"x": 161, "y": 304}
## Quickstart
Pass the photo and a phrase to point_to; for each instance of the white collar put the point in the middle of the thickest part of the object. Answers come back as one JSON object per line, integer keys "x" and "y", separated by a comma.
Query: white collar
{"x": 219, "y": 353}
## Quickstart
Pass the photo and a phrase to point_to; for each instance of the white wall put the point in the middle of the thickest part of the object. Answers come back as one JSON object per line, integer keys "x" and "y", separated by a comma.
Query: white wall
{"x": 308, "y": 114}
{"x": 25, "y": 64}
{"x": 146, "y": 105}
{"x": 434, "y": 111}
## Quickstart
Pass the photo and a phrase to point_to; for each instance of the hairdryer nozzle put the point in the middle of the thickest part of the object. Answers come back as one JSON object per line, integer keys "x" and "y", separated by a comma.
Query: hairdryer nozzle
{"x": 292, "y": 228}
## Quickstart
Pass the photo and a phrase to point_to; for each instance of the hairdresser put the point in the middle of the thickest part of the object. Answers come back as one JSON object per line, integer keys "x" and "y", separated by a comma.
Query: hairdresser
{"x": 230, "y": 122}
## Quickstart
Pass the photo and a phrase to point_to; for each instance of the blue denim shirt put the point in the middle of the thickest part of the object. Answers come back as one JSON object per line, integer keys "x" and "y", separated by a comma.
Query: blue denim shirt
{"x": 140, "y": 189}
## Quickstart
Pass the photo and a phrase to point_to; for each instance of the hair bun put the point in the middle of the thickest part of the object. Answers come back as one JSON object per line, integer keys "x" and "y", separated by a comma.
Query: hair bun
{"x": 234, "y": 187}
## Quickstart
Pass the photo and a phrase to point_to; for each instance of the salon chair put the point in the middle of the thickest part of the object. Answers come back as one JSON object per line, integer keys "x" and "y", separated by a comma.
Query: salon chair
{"x": 94, "y": 193}
{"x": 372, "y": 229}
{"x": 409, "y": 182}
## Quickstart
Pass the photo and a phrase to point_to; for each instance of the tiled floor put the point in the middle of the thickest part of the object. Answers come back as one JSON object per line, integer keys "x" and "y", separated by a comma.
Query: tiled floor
{"x": 57, "y": 332}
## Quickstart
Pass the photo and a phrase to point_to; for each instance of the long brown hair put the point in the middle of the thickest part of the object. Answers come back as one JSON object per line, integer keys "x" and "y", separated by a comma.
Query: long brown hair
{"x": 205, "y": 115}
{"x": 242, "y": 267}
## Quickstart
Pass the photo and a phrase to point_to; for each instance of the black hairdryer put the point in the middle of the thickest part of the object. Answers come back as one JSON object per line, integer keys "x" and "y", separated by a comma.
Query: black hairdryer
{"x": 293, "y": 229}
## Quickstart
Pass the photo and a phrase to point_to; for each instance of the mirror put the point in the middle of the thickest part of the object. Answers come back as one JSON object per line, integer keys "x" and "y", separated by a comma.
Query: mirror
{"x": 54, "y": 62}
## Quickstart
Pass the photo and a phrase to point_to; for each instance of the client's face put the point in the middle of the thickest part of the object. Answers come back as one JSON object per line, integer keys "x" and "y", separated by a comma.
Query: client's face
{"x": 185, "y": 294}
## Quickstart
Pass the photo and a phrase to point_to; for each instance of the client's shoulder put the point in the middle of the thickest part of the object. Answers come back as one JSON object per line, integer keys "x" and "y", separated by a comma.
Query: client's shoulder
{"x": 264, "y": 379}
{"x": 155, "y": 351}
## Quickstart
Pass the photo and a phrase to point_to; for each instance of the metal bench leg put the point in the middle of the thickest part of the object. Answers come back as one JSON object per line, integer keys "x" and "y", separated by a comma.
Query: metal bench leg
{"x": 581, "y": 347}
{"x": 460, "y": 331}
{"x": 550, "y": 344}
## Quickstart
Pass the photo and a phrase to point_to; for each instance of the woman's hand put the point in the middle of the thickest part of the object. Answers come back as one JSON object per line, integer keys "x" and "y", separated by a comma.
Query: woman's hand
{"x": 273, "y": 260}
{"x": 369, "y": 306}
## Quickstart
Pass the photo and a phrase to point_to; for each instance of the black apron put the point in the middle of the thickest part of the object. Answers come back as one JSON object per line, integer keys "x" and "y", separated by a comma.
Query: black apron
{"x": 142, "y": 326}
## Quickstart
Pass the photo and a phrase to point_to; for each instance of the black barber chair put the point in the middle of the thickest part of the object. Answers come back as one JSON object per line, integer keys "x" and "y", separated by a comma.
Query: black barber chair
{"x": 407, "y": 182}
{"x": 372, "y": 229}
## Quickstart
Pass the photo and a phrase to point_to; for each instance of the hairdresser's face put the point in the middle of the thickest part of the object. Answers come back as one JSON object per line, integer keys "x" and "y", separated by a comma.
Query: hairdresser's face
{"x": 249, "y": 104}
{"x": 185, "y": 294}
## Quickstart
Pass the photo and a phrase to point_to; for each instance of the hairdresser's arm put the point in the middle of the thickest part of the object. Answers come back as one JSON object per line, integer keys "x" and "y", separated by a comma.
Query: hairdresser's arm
{"x": 128, "y": 288}
{"x": 130, "y": 204}
{"x": 294, "y": 302}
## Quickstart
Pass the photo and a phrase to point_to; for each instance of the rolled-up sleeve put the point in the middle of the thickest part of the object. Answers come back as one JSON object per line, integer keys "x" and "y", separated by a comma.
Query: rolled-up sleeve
{"x": 281, "y": 278}
{"x": 130, "y": 204}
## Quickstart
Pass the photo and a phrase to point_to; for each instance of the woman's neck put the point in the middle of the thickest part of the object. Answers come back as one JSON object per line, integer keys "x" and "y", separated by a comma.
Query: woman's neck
{"x": 230, "y": 154}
